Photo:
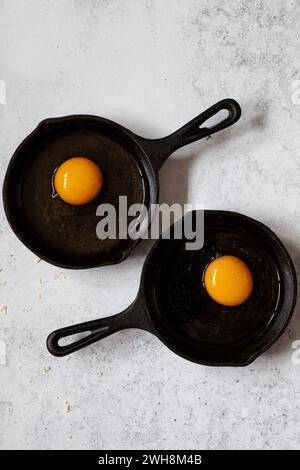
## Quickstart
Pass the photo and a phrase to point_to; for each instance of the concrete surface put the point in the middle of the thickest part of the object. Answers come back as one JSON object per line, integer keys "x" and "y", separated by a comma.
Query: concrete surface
{"x": 152, "y": 66}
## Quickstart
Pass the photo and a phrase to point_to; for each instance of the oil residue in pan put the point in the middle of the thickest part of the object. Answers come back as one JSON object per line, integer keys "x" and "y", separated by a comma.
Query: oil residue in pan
{"x": 190, "y": 312}
{"x": 68, "y": 229}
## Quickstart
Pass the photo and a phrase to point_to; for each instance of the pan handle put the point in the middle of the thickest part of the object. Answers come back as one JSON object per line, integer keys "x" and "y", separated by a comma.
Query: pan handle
{"x": 132, "y": 317}
{"x": 160, "y": 149}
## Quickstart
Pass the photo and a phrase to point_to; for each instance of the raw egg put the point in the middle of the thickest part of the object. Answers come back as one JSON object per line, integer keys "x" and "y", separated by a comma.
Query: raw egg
{"x": 228, "y": 281}
{"x": 78, "y": 180}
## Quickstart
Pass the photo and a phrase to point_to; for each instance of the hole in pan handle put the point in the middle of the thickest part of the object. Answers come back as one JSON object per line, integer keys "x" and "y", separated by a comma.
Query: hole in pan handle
{"x": 160, "y": 149}
{"x": 195, "y": 129}
{"x": 132, "y": 317}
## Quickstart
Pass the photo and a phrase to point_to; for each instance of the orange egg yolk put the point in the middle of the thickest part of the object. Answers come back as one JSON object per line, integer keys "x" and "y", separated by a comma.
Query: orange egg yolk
{"x": 78, "y": 180}
{"x": 228, "y": 281}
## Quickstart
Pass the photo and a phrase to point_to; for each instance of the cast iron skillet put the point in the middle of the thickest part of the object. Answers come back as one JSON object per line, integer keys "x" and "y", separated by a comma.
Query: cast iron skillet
{"x": 65, "y": 235}
{"x": 173, "y": 304}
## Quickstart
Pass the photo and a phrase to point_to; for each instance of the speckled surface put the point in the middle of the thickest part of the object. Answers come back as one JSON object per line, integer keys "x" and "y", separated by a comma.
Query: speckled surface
{"x": 151, "y": 66}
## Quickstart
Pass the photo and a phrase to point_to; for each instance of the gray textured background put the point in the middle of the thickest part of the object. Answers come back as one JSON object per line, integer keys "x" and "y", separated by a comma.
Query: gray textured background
{"x": 152, "y": 66}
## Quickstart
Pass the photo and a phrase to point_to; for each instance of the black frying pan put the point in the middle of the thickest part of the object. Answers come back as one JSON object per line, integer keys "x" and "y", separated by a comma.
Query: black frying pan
{"x": 65, "y": 235}
{"x": 173, "y": 304}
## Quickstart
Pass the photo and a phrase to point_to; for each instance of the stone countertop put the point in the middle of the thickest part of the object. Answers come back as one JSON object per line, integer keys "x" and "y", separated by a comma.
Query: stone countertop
{"x": 151, "y": 66}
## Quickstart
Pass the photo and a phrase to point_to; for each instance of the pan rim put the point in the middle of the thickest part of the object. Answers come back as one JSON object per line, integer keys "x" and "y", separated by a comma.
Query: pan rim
{"x": 52, "y": 123}
{"x": 242, "y": 358}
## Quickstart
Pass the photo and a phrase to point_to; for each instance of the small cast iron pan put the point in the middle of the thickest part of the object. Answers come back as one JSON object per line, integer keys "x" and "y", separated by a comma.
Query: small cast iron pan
{"x": 65, "y": 235}
{"x": 173, "y": 305}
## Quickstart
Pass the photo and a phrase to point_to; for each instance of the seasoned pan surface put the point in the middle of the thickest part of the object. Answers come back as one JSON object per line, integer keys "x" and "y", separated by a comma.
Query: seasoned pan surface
{"x": 173, "y": 305}
{"x": 71, "y": 230}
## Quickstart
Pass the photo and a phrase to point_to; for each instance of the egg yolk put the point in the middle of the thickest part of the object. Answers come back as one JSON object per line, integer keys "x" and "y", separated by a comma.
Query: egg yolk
{"x": 78, "y": 180}
{"x": 228, "y": 281}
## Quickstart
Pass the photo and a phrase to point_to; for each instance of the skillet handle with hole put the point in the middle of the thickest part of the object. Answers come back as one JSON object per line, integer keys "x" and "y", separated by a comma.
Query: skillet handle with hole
{"x": 96, "y": 330}
{"x": 161, "y": 149}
